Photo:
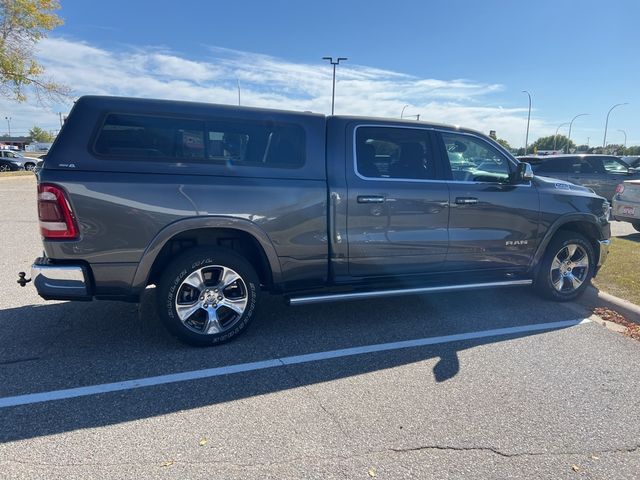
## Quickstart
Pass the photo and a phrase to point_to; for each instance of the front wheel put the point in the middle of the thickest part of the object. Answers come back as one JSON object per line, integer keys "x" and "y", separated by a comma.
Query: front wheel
{"x": 207, "y": 296}
{"x": 567, "y": 267}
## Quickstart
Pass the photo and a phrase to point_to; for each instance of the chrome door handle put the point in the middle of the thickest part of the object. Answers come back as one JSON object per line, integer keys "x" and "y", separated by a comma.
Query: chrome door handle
{"x": 466, "y": 200}
{"x": 370, "y": 199}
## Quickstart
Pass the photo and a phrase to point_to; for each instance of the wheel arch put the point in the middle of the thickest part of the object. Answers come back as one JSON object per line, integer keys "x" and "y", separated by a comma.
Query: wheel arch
{"x": 584, "y": 224}
{"x": 236, "y": 234}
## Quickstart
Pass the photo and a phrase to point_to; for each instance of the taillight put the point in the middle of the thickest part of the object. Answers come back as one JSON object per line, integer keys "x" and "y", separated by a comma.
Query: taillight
{"x": 620, "y": 188}
{"x": 54, "y": 211}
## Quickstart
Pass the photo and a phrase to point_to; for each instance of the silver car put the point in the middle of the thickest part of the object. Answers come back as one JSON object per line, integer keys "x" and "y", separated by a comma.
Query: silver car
{"x": 626, "y": 203}
{"x": 601, "y": 173}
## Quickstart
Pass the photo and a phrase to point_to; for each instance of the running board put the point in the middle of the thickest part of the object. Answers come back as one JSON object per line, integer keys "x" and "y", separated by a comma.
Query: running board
{"x": 335, "y": 297}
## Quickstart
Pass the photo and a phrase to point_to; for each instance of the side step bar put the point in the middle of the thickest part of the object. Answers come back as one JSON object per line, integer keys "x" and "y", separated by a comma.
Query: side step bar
{"x": 335, "y": 297}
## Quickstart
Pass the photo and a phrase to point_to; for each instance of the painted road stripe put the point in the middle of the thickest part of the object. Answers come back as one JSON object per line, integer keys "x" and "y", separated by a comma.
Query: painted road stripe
{"x": 273, "y": 363}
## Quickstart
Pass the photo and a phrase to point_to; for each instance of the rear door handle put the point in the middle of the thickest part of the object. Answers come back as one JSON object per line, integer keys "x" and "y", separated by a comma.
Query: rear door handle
{"x": 466, "y": 200}
{"x": 370, "y": 199}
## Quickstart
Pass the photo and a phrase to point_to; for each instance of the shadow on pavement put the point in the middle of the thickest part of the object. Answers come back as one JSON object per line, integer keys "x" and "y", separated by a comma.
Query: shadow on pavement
{"x": 67, "y": 345}
{"x": 634, "y": 237}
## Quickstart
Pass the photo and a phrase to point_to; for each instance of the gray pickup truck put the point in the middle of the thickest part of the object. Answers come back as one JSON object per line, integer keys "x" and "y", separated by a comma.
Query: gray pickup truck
{"x": 215, "y": 204}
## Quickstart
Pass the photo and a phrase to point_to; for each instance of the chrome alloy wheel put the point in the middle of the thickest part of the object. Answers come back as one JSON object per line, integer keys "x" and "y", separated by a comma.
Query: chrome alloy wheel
{"x": 569, "y": 268}
{"x": 211, "y": 300}
{"x": 5, "y": 168}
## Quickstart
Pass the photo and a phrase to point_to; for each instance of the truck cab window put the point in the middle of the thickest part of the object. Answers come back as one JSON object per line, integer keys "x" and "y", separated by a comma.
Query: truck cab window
{"x": 473, "y": 160}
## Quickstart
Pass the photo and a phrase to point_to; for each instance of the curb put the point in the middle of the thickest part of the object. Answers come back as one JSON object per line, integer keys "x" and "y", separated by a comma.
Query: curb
{"x": 593, "y": 297}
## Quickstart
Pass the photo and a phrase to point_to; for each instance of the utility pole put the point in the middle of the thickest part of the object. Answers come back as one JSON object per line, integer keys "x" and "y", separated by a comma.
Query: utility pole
{"x": 60, "y": 116}
{"x": 555, "y": 138}
{"x": 8, "y": 119}
{"x": 526, "y": 140}
{"x": 333, "y": 91}
{"x": 571, "y": 125}
{"x": 606, "y": 124}
{"x": 238, "y": 82}
{"x": 625, "y": 137}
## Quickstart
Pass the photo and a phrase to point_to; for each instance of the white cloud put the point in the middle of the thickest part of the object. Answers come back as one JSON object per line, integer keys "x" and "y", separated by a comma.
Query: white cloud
{"x": 267, "y": 81}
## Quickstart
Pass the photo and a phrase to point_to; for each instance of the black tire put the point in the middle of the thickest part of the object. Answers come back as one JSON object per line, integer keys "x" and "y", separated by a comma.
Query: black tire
{"x": 636, "y": 225}
{"x": 175, "y": 287}
{"x": 548, "y": 277}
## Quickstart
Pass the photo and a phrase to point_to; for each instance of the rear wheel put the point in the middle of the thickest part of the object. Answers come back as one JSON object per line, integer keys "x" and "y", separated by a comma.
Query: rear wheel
{"x": 5, "y": 168}
{"x": 636, "y": 225}
{"x": 207, "y": 296}
{"x": 567, "y": 267}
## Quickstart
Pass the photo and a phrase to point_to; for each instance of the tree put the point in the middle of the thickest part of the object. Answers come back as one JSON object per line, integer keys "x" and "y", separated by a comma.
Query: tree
{"x": 547, "y": 143}
{"x": 22, "y": 24}
{"x": 39, "y": 135}
{"x": 504, "y": 143}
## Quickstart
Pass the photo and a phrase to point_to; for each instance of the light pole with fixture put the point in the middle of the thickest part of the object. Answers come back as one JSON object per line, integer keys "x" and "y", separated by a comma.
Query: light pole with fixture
{"x": 402, "y": 112}
{"x": 625, "y": 137}
{"x": 526, "y": 140}
{"x": 8, "y": 119}
{"x": 571, "y": 125}
{"x": 333, "y": 91}
{"x": 606, "y": 124}
{"x": 555, "y": 137}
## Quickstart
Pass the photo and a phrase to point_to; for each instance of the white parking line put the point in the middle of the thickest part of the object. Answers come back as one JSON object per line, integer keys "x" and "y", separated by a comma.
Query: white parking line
{"x": 273, "y": 363}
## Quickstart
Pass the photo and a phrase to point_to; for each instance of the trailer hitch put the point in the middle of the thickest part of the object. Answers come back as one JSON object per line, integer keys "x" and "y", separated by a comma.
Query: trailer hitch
{"x": 22, "y": 281}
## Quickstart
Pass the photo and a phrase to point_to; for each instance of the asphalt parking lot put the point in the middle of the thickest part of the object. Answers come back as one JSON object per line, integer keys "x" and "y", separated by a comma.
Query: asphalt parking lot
{"x": 543, "y": 395}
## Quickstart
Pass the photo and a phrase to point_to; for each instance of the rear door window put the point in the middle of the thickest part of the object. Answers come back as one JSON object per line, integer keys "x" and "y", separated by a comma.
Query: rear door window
{"x": 555, "y": 165}
{"x": 395, "y": 153}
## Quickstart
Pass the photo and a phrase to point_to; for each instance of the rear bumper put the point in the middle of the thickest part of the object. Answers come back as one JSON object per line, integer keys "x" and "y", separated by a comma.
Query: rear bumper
{"x": 60, "y": 282}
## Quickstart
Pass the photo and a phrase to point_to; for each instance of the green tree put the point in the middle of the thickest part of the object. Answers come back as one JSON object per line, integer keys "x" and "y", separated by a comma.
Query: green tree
{"x": 547, "y": 143}
{"x": 22, "y": 24}
{"x": 635, "y": 150}
{"x": 39, "y": 135}
{"x": 504, "y": 143}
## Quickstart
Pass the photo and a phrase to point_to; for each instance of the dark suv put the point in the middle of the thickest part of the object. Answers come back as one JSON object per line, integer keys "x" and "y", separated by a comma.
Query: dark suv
{"x": 601, "y": 173}
{"x": 216, "y": 204}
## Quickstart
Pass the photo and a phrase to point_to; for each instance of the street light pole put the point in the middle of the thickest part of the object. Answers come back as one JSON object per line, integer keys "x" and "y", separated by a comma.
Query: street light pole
{"x": 402, "y": 112}
{"x": 606, "y": 124}
{"x": 526, "y": 140}
{"x": 625, "y": 137}
{"x": 571, "y": 125}
{"x": 8, "y": 119}
{"x": 555, "y": 137}
{"x": 333, "y": 91}
{"x": 238, "y": 82}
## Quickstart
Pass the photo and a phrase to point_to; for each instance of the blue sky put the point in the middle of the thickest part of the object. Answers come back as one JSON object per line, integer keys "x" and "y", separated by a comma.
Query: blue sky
{"x": 463, "y": 62}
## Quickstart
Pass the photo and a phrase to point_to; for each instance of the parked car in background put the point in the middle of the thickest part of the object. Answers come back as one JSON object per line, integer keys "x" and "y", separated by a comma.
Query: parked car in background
{"x": 26, "y": 163}
{"x": 7, "y": 165}
{"x": 625, "y": 206}
{"x": 601, "y": 173}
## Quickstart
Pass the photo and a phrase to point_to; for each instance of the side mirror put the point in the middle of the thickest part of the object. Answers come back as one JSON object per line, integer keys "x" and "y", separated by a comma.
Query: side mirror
{"x": 524, "y": 173}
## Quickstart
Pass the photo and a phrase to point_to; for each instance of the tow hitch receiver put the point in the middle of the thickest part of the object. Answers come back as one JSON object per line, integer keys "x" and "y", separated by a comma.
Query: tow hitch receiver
{"x": 22, "y": 281}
